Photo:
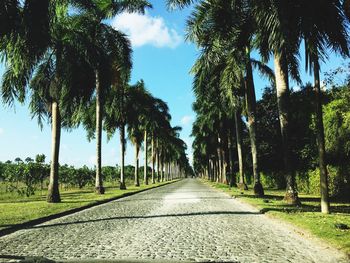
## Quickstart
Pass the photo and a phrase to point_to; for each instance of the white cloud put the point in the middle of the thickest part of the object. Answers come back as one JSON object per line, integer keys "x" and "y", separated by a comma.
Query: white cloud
{"x": 147, "y": 30}
{"x": 1, "y": 131}
{"x": 186, "y": 120}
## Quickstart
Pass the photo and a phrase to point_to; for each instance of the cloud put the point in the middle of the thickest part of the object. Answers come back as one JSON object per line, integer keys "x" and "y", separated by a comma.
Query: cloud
{"x": 147, "y": 30}
{"x": 186, "y": 120}
{"x": 2, "y": 131}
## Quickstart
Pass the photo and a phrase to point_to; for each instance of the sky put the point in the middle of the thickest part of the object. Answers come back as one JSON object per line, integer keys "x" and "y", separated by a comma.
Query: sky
{"x": 161, "y": 58}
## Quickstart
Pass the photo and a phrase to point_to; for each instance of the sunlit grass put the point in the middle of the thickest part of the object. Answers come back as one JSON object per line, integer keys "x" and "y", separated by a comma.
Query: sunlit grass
{"x": 16, "y": 209}
{"x": 307, "y": 217}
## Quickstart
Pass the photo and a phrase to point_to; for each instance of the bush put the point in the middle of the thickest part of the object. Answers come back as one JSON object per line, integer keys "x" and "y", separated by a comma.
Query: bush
{"x": 309, "y": 182}
{"x": 273, "y": 180}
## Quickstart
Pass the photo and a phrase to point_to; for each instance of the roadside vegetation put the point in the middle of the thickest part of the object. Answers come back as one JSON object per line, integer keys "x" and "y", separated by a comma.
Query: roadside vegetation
{"x": 295, "y": 139}
{"x": 334, "y": 228}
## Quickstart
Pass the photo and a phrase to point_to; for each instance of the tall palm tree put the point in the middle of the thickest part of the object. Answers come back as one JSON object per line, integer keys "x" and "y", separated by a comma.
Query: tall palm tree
{"x": 319, "y": 35}
{"x": 55, "y": 73}
{"x": 228, "y": 27}
{"x": 107, "y": 49}
{"x": 277, "y": 33}
{"x": 96, "y": 11}
{"x": 138, "y": 115}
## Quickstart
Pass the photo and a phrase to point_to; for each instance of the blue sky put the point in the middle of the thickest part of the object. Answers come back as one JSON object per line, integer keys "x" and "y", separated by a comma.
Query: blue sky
{"x": 161, "y": 58}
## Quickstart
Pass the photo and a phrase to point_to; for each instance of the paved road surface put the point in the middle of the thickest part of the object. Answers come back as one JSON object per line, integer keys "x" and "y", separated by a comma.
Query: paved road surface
{"x": 183, "y": 221}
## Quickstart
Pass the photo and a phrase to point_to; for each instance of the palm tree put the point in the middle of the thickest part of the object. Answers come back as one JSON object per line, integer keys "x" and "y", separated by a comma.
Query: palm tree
{"x": 319, "y": 35}
{"x": 55, "y": 73}
{"x": 158, "y": 118}
{"x": 228, "y": 27}
{"x": 277, "y": 33}
{"x": 96, "y": 12}
{"x": 107, "y": 49}
{"x": 138, "y": 115}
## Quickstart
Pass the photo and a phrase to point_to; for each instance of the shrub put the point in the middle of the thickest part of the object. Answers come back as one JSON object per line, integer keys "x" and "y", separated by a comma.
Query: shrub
{"x": 309, "y": 182}
{"x": 273, "y": 180}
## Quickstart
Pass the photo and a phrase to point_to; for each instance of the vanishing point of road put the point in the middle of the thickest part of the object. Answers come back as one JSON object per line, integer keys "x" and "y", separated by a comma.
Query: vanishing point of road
{"x": 183, "y": 221}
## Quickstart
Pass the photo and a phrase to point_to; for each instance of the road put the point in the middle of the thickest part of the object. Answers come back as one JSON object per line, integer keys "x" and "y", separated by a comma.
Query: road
{"x": 186, "y": 220}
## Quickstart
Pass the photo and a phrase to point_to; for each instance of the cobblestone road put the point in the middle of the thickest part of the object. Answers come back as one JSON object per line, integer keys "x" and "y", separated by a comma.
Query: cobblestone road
{"x": 186, "y": 220}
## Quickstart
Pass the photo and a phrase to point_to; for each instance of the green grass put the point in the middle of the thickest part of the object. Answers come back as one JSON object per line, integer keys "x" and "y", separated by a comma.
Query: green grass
{"x": 18, "y": 209}
{"x": 307, "y": 217}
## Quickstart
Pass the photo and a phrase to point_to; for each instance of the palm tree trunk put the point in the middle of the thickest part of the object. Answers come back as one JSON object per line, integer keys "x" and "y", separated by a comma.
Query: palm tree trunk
{"x": 210, "y": 170}
{"x": 153, "y": 158}
{"x": 282, "y": 86}
{"x": 169, "y": 176}
{"x": 157, "y": 160}
{"x": 321, "y": 143}
{"x": 226, "y": 163}
{"x": 219, "y": 177}
{"x": 137, "y": 150}
{"x": 251, "y": 111}
{"x": 162, "y": 166}
{"x": 238, "y": 120}
{"x": 233, "y": 182}
{"x": 53, "y": 195}
{"x": 99, "y": 189}
{"x": 168, "y": 173}
{"x": 145, "y": 177}
{"x": 122, "y": 145}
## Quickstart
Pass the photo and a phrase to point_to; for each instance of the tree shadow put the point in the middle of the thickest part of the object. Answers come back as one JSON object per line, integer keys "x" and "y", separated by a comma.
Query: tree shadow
{"x": 242, "y": 213}
{"x": 338, "y": 206}
{"x": 174, "y": 199}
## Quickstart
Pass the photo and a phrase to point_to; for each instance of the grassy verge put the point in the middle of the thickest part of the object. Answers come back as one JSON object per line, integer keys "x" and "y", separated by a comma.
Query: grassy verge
{"x": 16, "y": 210}
{"x": 306, "y": 217}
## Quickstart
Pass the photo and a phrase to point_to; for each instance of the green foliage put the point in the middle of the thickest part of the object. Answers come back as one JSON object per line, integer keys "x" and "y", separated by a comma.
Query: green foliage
{"x": 307, "y": 216}
{"x": 23, "y": 178}
{"x": 303, "y": 136}
{"x": 273, "y": 180}
{"x": 309, "y": 182}
{"x": 73, "y": 177}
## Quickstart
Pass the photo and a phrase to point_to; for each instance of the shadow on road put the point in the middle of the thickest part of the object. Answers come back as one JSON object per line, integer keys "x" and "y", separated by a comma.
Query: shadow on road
{"x": 150, "y": 217}
{"x": 25, "y": 259}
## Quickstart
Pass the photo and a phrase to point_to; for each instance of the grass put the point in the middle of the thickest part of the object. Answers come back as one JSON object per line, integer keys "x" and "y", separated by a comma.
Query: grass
{"x": 18, "y": 209}
{"x": 307, "y": 217}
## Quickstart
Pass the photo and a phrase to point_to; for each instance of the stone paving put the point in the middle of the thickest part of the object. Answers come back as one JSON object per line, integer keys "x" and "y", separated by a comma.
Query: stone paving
{"x": 186, "y": 220}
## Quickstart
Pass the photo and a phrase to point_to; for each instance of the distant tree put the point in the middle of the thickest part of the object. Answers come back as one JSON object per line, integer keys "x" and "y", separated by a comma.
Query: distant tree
{"x": 18, "y": 160}
{"x": 40, "y": 158}
{"x": 28, "y": 160}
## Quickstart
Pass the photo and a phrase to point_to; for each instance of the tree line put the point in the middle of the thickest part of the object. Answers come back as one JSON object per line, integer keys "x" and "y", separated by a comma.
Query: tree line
{"x": 227, "y": 32}
{"x": 75, "y": 70}
{"x": 27, "y": 177}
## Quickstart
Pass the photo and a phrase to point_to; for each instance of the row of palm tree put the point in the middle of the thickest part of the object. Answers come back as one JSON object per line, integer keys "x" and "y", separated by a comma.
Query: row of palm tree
{"x": 75, "y": 69}
{"x": 227, "y": 31}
